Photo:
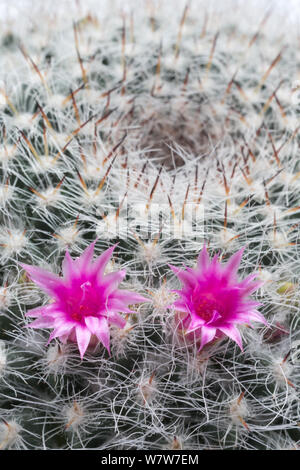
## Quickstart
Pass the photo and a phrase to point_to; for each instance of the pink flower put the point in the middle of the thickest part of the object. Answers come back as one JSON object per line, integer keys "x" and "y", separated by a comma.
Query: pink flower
{"x": 85, "y": 300}
{"x": 214, "y": 300}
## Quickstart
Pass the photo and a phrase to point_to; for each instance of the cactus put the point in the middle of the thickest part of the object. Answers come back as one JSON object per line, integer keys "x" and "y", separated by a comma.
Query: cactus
{"x": 159, "y": 130}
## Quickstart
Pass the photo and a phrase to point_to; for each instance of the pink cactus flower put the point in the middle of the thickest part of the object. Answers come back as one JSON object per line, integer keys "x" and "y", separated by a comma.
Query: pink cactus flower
{"x": 213, "y": 301}
{"x": 85, "y": 300}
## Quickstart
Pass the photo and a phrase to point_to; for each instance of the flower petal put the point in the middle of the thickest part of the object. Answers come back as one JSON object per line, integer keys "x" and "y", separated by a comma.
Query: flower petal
{"x": 130, "y": 297}
{"x": 232, "y": 265}
{"x": 180, "y": 305}
{"x": 111, "y": 281}
{"x": 44, "y": 310}
{"x": 203, "y": 259}
{"x": 83, "y": 336}
{"x": 207, "y": 334}
{"x": 232, "y": 332}
{"x": 61, "y": 330}
{"x": 83, "y": 263}
{"x": 216, "y": 316}
{"x": 185, "y": 277}
{"x": 248, "y": 285}
{"x": 100, "y": 263}
{"x": 68, "y": 267}
{"x": 48, "y": 281}
{"x": 45, "y": 322}
{"x": 246, "y": 317}
{"x": 116, "y": 319}
{"x": 116, "y": 305}
{"x": 195, "y": 324}
{"x": 99, "y": 327}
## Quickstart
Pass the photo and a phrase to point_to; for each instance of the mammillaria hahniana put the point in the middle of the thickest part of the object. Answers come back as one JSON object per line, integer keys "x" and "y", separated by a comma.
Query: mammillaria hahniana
{"x": 159, "y": 129}
{"x": 85, "y": 300}
{"x": 213, "y": 299}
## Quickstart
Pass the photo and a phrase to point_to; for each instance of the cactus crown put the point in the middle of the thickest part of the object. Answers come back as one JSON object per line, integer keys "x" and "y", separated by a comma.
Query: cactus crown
{"x": 160, "y": 130}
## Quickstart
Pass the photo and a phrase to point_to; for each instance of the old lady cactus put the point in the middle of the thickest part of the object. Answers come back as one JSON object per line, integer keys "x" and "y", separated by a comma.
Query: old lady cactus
{"x": 85, "y": 300}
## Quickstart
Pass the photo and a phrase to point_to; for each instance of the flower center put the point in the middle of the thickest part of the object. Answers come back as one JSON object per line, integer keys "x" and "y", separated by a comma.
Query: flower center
{"x": 83, "y": 311}
{"x": 206, "y": 305}
{"x": 87, "y": 305}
